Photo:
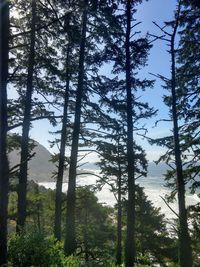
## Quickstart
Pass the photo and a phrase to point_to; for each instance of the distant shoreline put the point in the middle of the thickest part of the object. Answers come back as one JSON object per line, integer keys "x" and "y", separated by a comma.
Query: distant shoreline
{"x": 152, "y": 191}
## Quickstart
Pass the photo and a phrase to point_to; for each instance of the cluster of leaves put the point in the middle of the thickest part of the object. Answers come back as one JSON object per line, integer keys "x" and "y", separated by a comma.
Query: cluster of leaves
{"x": 32, "y": 248}
{"x": 96, "y": 232}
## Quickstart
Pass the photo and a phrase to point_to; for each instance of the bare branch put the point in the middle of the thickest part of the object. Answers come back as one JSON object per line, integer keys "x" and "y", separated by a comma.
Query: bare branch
{"x": 11, "y": 75}
{"x": 160, "y": 77}
{"x": 17, "y": 46}
{"x": 169, "y": 207}
{"x": 84, "y": 156}
{"x": 162, "y": 120}
{"x": 94, "y": 130}
{"x": 104, "y": 180}
{"x": 91, "y": 150}
{"x": 136, "y": 24}
{"x": 156, "y": 37}
{"x": 162, "y": 29}
{"x": 49, "y": 2}
{"x": 16, "y": 167}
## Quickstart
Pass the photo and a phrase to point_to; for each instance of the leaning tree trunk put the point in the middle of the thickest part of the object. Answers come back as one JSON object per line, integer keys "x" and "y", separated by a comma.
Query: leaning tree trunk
{"x": 70, "y": 238}
{"x": 185, "y": 252}
{"x": 25, "y": 129}
{"x": 4, "y": 166}
{"x": 130, "y": 236}
{"x": 61, "y": 165}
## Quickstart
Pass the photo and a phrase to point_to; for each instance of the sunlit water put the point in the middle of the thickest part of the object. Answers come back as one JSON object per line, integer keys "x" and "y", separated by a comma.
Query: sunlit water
{"x": 153, "y": 187}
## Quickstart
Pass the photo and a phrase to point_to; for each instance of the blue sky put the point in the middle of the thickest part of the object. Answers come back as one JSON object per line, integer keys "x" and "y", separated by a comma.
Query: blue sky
{"x": 159, "y": 63}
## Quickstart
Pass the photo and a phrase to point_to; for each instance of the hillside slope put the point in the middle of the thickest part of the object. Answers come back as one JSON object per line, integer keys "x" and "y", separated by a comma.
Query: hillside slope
{"x": 40, "y": 167}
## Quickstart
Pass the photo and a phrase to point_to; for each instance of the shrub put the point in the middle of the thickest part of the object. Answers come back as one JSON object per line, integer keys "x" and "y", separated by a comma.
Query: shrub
{"x": 34, "y": 249}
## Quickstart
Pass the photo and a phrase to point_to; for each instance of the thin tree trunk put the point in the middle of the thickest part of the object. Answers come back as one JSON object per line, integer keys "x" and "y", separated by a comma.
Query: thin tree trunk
{"x": 25, "y": 129}
{"x": 70, "y": 238}
{"x": 38, "y": 206}
{"x": 58, "y": 200}
{"x": 85, "y": 234}
{"x": 185, "y": 252}
{"x": 119, "y": 214}
{"x": 130, "y": 237}
{"x": 4, "y": 166}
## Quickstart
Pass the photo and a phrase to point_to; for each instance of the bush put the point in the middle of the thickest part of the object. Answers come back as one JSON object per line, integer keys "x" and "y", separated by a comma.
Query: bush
{"x": 34, "y": 249}
{"x": 77, "y": 262}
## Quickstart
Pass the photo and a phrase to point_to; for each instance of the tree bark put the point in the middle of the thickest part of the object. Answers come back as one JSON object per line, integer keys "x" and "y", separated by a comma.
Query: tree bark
{"x": 58, "y": 200}
{"x": 130, "y": 235}
{"x": 4, "y": 165}
{"x": 185, "y": 252}
{"x": 85, "y": 233}
{"x": 26, "y": 128}
{"x": 70, "y": 238}
{"x": 119, "y": 214}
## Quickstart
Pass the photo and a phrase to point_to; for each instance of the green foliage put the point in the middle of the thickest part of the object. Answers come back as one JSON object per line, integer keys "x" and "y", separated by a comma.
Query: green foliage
{"x": 153, "y": 242}
{"x": 95, "y": 229}
{"x": 194, "y": 216}
{"x": 40, "y": 208}
{"x": 73, "y": 261}
{"x": 96, "y": 224}
{"x": 34, "y": 249}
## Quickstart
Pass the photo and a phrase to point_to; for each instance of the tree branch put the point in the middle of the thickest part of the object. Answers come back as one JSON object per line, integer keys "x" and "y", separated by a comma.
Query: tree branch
{"x": 169, "y": 207}
{"x": 162, "y": 29}
{"x": 104, "y": 180}
{"x": 33, "y": 119}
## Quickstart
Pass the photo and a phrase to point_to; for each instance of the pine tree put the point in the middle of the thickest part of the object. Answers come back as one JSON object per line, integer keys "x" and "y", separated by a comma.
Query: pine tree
{"x": 26, "y": 127}
{"x": 185, "y": 253}
{"x": 4, "y": 166}
{"x": 127, "y": 55}
{"x": 90, "y": 61}
{"x": 94, "y": 228}
{"x": 31, "y": 78}
{"x": 130, "y": 252}
{"x": 69, "y": 50}
{"x": 154, "y": 245}
{"x": 61, "y": 166}
{"x": 175, "y": 144}
{"x": 113, "y": 168}
{"x": 188, "y": 67}
{"x": 70, "y": 243}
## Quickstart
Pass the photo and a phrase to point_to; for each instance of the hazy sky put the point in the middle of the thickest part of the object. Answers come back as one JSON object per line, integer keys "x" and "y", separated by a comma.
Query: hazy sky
{"x": 159, "y": 63}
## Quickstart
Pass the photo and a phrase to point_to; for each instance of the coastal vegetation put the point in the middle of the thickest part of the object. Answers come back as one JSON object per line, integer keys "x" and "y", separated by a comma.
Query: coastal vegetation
{"x": 77, "y": 66}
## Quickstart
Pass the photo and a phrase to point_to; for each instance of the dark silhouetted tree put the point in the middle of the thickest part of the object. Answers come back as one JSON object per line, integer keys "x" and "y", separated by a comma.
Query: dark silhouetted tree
{"x": 26, "y": 126}
{"x": 4, "y": 166}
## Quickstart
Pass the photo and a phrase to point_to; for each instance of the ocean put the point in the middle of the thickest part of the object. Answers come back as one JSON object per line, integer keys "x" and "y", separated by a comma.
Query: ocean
{"x": 153, "y": 187}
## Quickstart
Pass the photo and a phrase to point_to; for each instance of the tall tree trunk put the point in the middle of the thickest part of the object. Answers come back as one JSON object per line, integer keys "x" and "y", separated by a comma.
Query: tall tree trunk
{"x": 185, "y": 252}
{"x": 4, "y": 166}
{"x": 58, "y": 200}
{"x": 25, "y": 129}
{"x": 70, "y": 238}
{"x": 130, "y": 237}
{"x": 119, "y": 214}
